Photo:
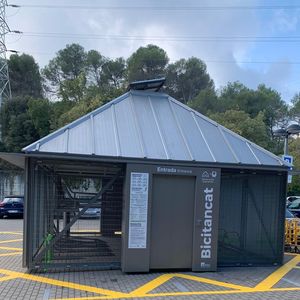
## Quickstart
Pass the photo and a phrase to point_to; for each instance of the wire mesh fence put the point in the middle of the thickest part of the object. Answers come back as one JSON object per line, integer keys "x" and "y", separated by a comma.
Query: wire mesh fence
{"x": 74, "y": 214}
{"x": 11, "y": 183}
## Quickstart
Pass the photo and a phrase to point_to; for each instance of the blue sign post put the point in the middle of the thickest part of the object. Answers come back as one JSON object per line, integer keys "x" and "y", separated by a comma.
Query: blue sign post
{"x": 289, "y": 159}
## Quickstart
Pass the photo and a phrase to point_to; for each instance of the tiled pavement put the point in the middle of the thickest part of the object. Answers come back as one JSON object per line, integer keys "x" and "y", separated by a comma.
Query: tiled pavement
{"x": 227, "y": 283}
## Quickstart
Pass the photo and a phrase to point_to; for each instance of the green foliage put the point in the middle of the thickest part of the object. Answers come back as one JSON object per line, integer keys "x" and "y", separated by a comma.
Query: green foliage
{"x": 95, "y": 62}
{"x": 114, "y": 73}
{"x": 65, "y": 75}
{"x": 24, "y": 75}
{"x": 40, "y": 112}
{"x": 240, "y": 122}
{"x": 187, "y": 78}
{"x": 59, "y": 108}
{"x": 206, "y": 102}
{"x": 18, "y": 129}
{"x": 238, "y": 97}
{"x": 147, "y": 63}
{"x": 295, "y": 109}
{"x": 294, "y": 150}
{"x": 87, "y": 105}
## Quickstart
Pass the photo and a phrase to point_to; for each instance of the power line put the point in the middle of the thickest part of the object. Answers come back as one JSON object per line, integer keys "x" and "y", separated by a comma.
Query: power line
{"x": 162, "y": 8}
{"x": 251, "y": 39}
{"x": 204, "y": 60}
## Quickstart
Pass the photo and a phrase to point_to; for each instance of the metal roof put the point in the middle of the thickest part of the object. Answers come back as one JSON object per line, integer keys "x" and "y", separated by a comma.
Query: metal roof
{"x": 151, "y": 125}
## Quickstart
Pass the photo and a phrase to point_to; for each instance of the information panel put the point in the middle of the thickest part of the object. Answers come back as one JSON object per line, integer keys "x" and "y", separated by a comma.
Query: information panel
{"x": 138, "y": 210}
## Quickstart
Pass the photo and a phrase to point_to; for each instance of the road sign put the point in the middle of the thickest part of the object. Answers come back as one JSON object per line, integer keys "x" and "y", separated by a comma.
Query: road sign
{"x": 289, "y": 159}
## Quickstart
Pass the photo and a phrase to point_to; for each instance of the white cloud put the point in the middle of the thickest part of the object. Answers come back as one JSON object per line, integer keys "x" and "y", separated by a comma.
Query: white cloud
{"x": 285, "y": 21}
{"x": 149, "y": 23}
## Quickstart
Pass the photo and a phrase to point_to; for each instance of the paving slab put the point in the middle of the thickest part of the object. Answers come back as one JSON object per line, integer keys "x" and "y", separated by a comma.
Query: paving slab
{"x": 277, "y": 282}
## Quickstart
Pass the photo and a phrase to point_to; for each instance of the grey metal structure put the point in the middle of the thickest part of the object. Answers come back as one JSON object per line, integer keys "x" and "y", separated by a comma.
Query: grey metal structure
{"x": 149, "y": 125}
{"x": 5, "y": 91}
{"x": 175, "y": 190}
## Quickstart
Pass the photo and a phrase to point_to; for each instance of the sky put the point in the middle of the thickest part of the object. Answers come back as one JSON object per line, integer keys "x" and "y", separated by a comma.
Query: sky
{"x": 251, "y": 45}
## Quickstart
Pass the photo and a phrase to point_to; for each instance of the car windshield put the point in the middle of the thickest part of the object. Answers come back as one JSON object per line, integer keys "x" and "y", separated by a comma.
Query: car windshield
{"x": 295, "y": 204}
{"x": 288, "y": 214}
{"x": 13, "y": 199}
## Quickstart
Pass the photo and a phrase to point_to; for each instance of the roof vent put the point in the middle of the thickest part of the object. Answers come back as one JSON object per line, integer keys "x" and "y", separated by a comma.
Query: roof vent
{"x": 149, "y": 85}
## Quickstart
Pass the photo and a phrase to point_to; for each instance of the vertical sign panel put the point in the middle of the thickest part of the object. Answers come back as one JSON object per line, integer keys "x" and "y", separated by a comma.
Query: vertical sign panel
{"x": 138, "y": 210}
{"x": 206, "y": 220}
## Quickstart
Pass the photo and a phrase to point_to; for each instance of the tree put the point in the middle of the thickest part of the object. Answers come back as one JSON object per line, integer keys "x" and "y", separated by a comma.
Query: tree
{"x": 24, "y": 75}
{"x": 206, "y": 102}
{"x": 114, "y": 73}
{"x": 237, "y": 96}
{"x": 240, "y": 122}
{"x": 186, "y": 78}
{"x": 294, "y": 150}
{"x": 147, "y": 63}
{"x": 65, "y": 75}
{"x": 40, "y": 111}
{"x": 295, "y": 109}
{"x": 95, "y": 62}
{"x": 18, "y": 129}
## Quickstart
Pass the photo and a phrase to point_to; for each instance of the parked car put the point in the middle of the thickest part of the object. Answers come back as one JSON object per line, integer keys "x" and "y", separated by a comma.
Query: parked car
{"x": 12, "y": 206}
{"x": 294, "y": 208}
{"x": 91, "y": 212}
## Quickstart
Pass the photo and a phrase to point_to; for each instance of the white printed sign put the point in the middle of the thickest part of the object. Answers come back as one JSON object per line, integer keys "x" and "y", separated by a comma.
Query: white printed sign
{"x": 138, "y": 210}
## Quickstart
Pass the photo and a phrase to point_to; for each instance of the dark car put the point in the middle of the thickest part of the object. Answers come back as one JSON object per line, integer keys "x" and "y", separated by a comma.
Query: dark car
{"x": 12, "y": 206}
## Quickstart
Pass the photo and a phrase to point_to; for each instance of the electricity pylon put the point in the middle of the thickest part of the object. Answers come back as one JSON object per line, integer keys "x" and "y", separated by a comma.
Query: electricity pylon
{"x": 5, "y": 91}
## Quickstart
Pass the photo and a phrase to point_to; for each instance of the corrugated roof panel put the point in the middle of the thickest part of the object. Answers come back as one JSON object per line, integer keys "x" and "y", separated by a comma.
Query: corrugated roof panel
{"x": 214, "y": 138}
{"x": 80, "y": 138}
{"x": 144, "y": 124}
{"x": 265, "y": 157}
{"x": 130, "y": 145}
{"x": 148, "y": 129}
{"x": 105, "y": 143}
{"x": 240, "y": 148}
{"x": 197, "y": 145}
{"x": 58, "y": 143}
{"x": 168, "y": 125}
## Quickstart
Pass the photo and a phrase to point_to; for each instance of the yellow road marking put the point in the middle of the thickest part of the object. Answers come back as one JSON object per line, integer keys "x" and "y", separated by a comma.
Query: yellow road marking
{"x": 11, "y": 253}
{"x": 10, "y": 241}
{"x": 296, "y": 267}
{"x": 7, "y": 278}
{"x": 213, "y": 282}
{"x": 151, "y": 285}
{"x": 70, "y": 285}
{"x": 272, "y": 279}
{"x": 10, "y": 248}
{"x": 11, "y": 232}
{"x": 185, "y": 294}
